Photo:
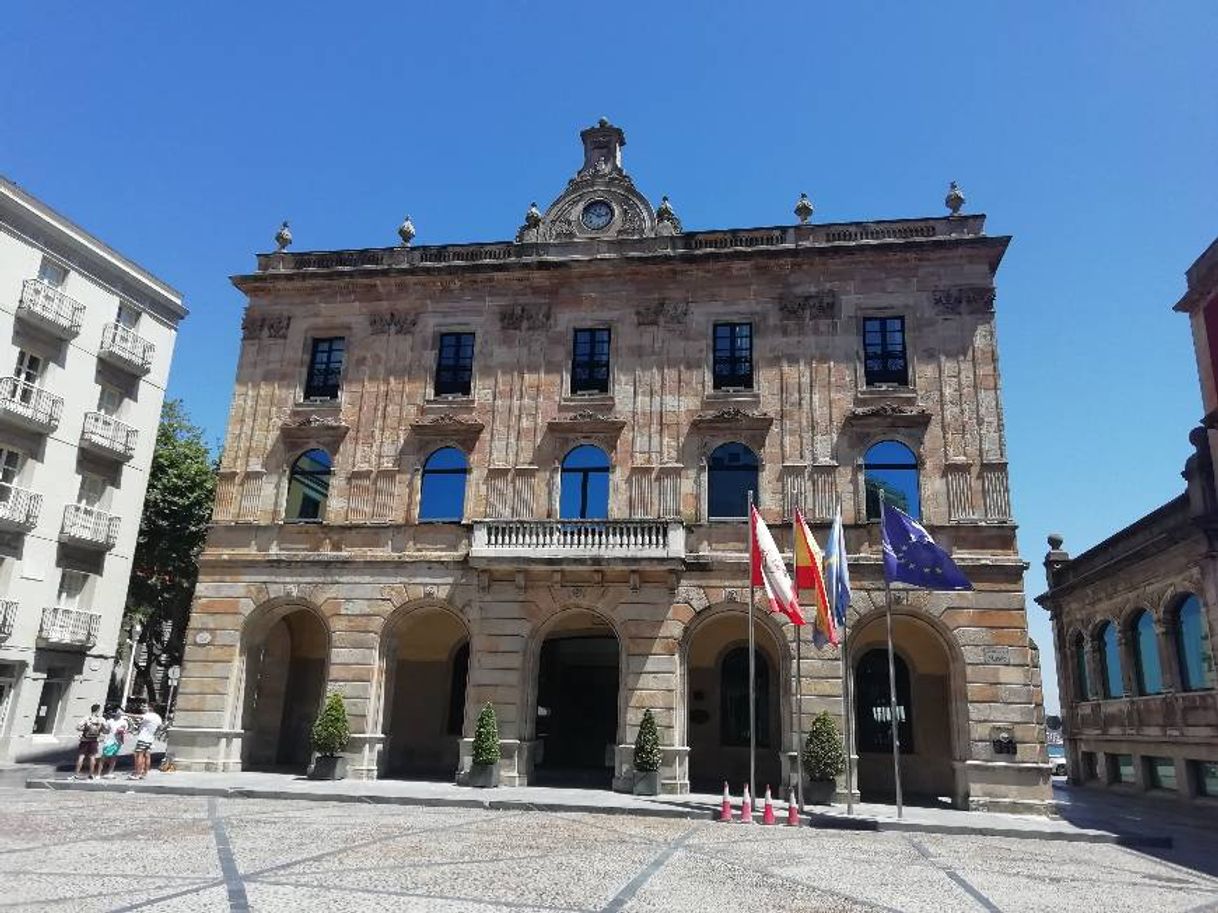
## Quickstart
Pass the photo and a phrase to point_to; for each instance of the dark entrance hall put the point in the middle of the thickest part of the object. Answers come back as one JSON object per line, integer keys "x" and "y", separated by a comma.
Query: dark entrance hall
{"x": 577, "y": 694}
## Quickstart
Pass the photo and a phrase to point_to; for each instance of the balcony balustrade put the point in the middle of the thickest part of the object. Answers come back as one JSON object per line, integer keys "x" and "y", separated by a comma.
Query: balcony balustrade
{"x": 108, "y": 436}
{"x": 586, "y": 541}
{"x": 30, "y": 407}
{"x": 126, "y": 349}
{"x": 46, "y": 307}
{"x": 19, "y": 508}
{"x": 73, "y": 627}
{"x": 8, "y": 617}
{"x": 89, "y": 526}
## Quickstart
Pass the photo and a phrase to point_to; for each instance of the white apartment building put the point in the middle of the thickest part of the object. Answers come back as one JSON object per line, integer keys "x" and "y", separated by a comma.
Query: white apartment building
{"x": 86, "y": 338}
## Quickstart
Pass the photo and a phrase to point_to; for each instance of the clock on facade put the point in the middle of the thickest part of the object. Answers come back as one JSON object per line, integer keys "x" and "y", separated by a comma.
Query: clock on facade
{"x": 596, "y": 215}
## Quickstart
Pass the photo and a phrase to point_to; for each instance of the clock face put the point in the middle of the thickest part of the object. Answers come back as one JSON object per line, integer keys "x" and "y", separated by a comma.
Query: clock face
{"x": 596, "y": 215}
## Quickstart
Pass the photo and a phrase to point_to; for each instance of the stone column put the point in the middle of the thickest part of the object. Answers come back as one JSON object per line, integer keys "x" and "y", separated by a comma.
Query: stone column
{"x": 1165, "y": 639}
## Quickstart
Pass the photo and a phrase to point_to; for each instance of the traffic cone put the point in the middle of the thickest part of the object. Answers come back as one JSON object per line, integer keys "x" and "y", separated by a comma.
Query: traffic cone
{"x": 746, "y": 807}
{"x": 767, "y": 816}
{"x": 725, "y": 812}
{"x": 792, "y": 811}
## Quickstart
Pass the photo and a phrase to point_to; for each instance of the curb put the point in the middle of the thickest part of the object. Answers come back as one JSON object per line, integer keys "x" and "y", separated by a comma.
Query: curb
{"x": 815, "y": 820}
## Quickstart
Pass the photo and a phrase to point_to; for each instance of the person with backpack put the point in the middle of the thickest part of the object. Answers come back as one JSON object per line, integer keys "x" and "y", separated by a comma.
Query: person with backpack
{"x": 116, "y": 733}
{"x": 90, "y": 729}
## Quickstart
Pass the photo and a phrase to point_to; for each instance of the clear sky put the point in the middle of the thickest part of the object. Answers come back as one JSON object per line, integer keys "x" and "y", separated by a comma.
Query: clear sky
{"x": 183, "y": 133}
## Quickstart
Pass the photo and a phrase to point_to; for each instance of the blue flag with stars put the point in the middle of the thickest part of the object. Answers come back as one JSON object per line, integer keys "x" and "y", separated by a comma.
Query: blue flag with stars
{"x": 911, "y": 556}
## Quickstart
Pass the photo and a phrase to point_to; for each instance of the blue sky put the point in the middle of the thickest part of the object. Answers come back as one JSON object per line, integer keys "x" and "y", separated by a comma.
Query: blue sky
{"x": 182, "y": 134}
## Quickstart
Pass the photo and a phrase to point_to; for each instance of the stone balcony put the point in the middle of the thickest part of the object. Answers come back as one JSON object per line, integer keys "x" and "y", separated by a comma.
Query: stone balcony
{"x": 8, "y": 617}
{"x": 588, "y": 542}
{"x": 19, "y": 508}
{"x": 46, "y": 307}
{"x": 29, "y": 407}
{"x": 126, "y": 349}
{"x": 89, "y": 526}
{"x": 71, "y": 627}
{"x": 108, "y": 436}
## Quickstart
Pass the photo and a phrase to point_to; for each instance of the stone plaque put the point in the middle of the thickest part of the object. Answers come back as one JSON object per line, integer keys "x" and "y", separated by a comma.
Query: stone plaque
{"x": 999, "y": 656}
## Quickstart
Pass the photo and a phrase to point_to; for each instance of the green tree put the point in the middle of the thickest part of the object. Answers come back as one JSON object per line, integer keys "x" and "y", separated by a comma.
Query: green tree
{"x": 823, "y": 755}
{"x": 331, "y": 731}
{"x": 486, "y": 737}
{"x": 173, "y": 528}
{"x": 647, "y": 755}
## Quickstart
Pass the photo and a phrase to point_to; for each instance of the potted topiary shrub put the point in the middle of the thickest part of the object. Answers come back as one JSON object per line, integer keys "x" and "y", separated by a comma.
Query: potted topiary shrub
{"x": 484, "y": 771}
{"x": 647, "y": 757}
{"x": 823, "y": 759}
{"x": 330, "y": 736}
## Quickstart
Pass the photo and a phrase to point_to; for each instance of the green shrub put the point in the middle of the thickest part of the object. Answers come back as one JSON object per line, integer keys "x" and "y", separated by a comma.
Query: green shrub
{"x": 647, "y": 745}
{"x": 486, "y": 737}
{"x": 823, "y": 756}
{"x": 331, "y": 732}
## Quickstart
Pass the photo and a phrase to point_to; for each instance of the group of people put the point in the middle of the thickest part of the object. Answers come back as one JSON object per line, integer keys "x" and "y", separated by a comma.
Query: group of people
{"x": 102, "y": 739}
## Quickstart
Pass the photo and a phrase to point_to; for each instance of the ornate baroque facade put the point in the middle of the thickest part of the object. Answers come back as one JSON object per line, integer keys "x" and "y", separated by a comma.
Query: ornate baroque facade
{"x": 515, "y": 473}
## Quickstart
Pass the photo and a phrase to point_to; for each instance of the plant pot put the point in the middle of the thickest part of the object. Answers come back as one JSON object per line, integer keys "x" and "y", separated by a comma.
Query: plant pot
{"x": 820, "y": 792}
{"x": 646, "y": 782}
{"x": 484, "y": 776}
{"x": 328, "y": 767}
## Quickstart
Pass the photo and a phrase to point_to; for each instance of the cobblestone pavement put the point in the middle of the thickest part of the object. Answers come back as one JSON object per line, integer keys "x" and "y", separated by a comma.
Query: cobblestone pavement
{"x": 80, "y": 852}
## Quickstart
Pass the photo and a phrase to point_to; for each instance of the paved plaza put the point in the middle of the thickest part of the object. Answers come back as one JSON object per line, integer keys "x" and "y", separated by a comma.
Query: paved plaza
{"x": 79, "y": 850}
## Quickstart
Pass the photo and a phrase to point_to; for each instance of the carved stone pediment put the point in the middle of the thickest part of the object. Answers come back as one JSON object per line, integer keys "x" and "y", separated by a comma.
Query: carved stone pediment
{"x": 313, "y": 427}
{"x": 951, "y": 302}
{"x": 587, "y": 421}
{"x": 525, "y": 317}
{"x": 447, "y": 425}
{"x": 663, "y": 313}
{"x": 392, "y": 322}
{"x": 275, "y": 326}
{"x": 819, "y": 305}
{"x": 890, "y": 414}
{"x": 733, "y": 418}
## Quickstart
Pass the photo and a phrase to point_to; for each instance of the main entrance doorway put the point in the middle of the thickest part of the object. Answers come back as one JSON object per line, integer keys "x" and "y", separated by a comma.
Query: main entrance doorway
{"x": 577, "y": 704}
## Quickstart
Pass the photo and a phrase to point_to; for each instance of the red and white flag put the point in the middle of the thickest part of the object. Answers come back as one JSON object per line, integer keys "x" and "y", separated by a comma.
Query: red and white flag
{"x": 769, "y": 571}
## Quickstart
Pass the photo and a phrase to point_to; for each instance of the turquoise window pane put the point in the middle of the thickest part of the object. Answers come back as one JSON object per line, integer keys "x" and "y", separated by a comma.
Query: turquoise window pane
{"x": 1111, "y": 660}
{"x": 1193, "y": 647}
{"x": 1163, "y": 773}
{"x": 1207, "y": 777}
{"x": 1124, "y": 768}
{"x": 1080, "y": 670}
{"x": 1149, "y": 673}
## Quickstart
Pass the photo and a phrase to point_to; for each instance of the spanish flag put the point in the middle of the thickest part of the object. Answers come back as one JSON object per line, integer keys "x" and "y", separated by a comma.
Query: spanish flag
{"x": 810, "y": 580}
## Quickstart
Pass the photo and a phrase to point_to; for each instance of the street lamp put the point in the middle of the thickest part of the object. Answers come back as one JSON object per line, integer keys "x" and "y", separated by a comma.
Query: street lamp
{"x": 132, "y": 640}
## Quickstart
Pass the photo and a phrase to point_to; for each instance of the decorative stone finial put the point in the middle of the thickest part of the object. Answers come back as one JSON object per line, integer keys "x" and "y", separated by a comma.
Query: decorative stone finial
{"x": 406, "y": 232}
{"x": 283, "y": 237}
{"x": 532, "y": 218}
{"x": 803, "y": 209}
{"x": 603, "y": 122}
{"x": 664, "y": 212}
{"x": 954, "y": 199}
{"x": 1055, "y": 541}
{"x": 667, "y": 223}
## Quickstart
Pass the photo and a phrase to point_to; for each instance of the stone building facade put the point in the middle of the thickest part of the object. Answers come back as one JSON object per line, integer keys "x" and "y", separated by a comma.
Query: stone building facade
{"x": 1133, "y": 618}
{"x": 522, "y": 481}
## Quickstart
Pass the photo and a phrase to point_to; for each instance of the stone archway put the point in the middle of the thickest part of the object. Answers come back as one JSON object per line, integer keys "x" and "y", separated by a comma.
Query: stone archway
{"x": 287, "y": 652}
{"x": 426, "y": 670}
{"x": 929, "y": 705}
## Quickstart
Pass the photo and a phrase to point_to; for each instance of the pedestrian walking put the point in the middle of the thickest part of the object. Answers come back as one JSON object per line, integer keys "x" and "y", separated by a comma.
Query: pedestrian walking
{"x": 149, "y": 723}
{"x": 90, "y": 729}
{"x": 112, "y": 744}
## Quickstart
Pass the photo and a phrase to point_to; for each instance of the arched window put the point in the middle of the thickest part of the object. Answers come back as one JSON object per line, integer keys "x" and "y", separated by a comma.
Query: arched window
{"x": 732, "y": 471}
{"x": 872, "y": 708}
{"x": 584, "y": 491}
{"x": 734, "y": 698}
{"x": 891, "y": 467}
{"x": 1193, "y": 646}
{"x": 442, "y": 495}
{"x": 1110, "y": 661}
{"x": 1147, "y": 673}
{"x": 1078, "y": 654}
{"x": 309, "y": 486}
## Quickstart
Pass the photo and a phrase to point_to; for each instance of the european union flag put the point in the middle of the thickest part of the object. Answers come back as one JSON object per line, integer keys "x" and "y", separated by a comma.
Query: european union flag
{"x": 911, "y": 556}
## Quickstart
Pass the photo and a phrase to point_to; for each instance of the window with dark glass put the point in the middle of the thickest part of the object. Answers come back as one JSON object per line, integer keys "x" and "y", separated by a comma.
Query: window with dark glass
{"x": 1193, "y": 646}
{"x": 1147, "y": 672}
{"x": 890, "y": 468}
{"x": 590, "y": 361}
{"x": 1110, "y": 661}
{"x": 873, "y": 708}
{"x": 442, "y": 495}
{"x": 733, "y": 362}
{"x": 884, "y": 359}
{"x": 584, "y": 485}
{"x": 734, "y": 698}
{"x": 309, "y": 486}
{"x": 455, "y": 367}
{"x": 732, "y": 474}
{"x": 325, "y": 368}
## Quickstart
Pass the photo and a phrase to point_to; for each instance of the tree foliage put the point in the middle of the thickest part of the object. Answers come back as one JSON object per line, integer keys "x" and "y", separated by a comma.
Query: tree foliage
{"x": 823, "y": 755}
{"x": 486, "y": 737}
{"x": 647, "y": 745}
{"x": 331, "y": 731}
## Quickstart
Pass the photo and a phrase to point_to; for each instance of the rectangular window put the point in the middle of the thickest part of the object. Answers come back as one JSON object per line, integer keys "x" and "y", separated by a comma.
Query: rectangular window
{"x": 590, "y": 361}
{"x": 109, "y": 401}
{"x": 52, "y": 273}
{"x": 1162, "y": 773}
{"x": 10, "y": 465}
{"x": 884, "y": 360}
{"x": 1207, "y": 777}
{"x": 92, "y": 490}
{"x": 71, "y": 589}
{"x": 733, "y": 360}
{"x": 128, "y": 316}
{"x": 1120, "y": 768}
{"x": 325, "y": 368}
{"x": 455, "y": 365}
{"x": 1090, "y": 771}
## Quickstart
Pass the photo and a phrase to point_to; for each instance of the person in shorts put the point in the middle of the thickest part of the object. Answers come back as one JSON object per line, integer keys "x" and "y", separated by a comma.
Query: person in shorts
{"x": 90, "y": 729}
{"x": 146, "y": 730}
{"x": 112, "y": 744}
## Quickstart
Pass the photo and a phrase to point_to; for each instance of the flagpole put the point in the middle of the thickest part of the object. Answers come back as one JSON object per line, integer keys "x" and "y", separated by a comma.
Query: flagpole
{"x": 847, "y": 722}
{"x": 799, "y": 729}
{"x": 892, "y": 698}
{"x": 752, "y": 673}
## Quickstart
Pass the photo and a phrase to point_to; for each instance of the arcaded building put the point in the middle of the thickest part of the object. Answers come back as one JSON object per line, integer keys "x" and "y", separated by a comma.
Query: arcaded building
{"x": 517, "y": 472}
{"x": 1133, "y": 618}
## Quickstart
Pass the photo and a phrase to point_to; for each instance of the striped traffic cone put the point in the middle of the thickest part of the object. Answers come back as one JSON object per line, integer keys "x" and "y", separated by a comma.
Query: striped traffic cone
{"x": 725, "y": 811}
{"x": 792, "y": 811}
{"x": 746, "y": 807}
{"x": 767, "y": 816}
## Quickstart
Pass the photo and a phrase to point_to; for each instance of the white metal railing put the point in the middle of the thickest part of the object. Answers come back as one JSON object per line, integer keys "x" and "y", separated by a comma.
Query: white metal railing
{"x": 19, "y": 507}
{"x": 49, "y": 304}
{"x": 578, "y": 538}
{"x": 69, "y": 626}
{"x": 128, "y": 346}
{"x": 8, "y": 617}
{"x": 30, "y": 404}
{"x": 100, "y": 430}
{"x": 90, "y": 525}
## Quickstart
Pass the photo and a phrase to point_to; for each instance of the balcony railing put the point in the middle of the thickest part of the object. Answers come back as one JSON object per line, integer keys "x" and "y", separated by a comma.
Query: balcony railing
{"x": 19, "y": 507}
{"x": 578, "y": 539}
{"x": 108, "y": 436}
{"x": 126, "y": 349}
{"x": 89, "y": 526}
{"x": 69, "y": 626}
{"x": 8, "y": 617}
{"x": 28, "y": 406}
{"x": 49, "y": 308}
